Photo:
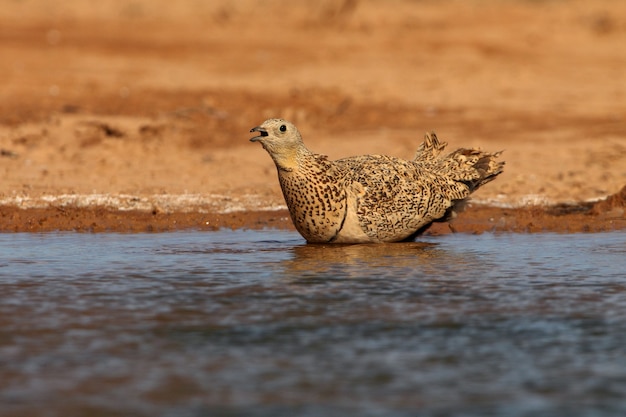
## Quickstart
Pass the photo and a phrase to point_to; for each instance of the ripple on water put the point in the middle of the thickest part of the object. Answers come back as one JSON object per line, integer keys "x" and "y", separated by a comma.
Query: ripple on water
{"x": 258, "y": 323}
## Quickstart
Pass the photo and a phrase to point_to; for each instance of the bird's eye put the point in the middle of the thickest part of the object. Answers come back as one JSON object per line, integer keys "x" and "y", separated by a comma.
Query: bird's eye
{"x": 283, "y": 128}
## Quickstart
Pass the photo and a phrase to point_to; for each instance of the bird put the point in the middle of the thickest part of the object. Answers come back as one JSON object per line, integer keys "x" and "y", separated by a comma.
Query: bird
{"x": 372, "y": 198}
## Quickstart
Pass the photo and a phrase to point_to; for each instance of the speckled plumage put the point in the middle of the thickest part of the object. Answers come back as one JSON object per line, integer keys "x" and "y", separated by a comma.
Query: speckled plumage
{"x": 371, "y": 198}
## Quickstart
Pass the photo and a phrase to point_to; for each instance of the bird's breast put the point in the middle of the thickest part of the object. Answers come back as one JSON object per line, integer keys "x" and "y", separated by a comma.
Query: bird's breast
{"x": 316, "y": 203}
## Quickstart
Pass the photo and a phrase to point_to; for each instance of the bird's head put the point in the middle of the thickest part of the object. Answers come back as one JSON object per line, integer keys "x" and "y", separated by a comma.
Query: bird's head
{"x": 281, "y": 140}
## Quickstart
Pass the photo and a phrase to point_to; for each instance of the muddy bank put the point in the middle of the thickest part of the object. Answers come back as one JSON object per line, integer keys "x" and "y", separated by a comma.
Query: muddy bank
{"x": 605, "y": 215}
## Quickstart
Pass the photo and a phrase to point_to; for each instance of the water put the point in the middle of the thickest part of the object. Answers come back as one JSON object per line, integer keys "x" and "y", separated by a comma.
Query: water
{"x": 257, "y": 323}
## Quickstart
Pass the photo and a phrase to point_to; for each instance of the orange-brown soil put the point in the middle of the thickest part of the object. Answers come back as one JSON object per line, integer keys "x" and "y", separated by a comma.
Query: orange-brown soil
{"x": 134, "y": 115}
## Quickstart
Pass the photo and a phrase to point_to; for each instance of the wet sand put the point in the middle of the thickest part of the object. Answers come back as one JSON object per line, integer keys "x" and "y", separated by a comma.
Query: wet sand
{"x": 134, "y": 116}
{"x": 605, "y": 215}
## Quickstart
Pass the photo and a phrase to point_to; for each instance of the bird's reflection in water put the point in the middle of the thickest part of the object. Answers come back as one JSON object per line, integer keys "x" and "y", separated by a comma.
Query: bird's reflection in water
{"x": 398, "y": 281}
{"x": 367, "y": 260}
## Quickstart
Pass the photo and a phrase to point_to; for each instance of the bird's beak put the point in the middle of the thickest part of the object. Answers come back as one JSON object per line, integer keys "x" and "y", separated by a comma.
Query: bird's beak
{"x": 262, "y": 132}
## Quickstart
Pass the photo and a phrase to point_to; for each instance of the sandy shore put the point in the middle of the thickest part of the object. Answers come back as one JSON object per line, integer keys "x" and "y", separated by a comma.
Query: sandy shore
{"x": 134, "y": 116}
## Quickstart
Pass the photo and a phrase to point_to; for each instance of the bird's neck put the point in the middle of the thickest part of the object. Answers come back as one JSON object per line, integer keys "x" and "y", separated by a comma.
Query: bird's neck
{"x": 291, "y": 159}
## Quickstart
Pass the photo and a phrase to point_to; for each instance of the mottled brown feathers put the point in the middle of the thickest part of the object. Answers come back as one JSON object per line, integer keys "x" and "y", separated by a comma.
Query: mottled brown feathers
{"x": 372, "y": 198}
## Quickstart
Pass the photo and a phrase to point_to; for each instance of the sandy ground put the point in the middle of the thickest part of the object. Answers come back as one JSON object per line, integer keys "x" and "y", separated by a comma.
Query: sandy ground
{"x": 134, "y": 115}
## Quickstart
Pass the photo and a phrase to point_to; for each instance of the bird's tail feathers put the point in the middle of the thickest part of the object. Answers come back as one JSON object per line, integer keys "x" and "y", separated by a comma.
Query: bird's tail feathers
{"x": 472, "y": 167}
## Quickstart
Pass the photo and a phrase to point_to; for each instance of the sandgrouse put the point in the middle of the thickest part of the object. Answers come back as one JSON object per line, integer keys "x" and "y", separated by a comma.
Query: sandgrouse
{"x": 372, "y": 198}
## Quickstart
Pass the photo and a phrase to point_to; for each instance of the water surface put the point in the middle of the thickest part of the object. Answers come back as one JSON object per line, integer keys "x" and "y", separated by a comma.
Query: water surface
{"x": 258, "y": 323}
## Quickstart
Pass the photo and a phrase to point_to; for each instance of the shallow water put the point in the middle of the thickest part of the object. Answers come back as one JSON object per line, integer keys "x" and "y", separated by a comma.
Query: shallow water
{"x": 257, "y": 323}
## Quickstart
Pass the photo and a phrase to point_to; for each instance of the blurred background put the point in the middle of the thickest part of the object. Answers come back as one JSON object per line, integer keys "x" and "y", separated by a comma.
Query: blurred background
{"x": 152, "y": 96}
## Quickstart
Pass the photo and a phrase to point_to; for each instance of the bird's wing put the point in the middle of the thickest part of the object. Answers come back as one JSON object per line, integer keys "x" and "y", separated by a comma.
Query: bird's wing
{"x": 394, "y": 197}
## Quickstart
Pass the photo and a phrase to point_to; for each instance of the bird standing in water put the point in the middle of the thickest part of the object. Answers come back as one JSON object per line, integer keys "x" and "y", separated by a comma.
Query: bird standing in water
{"x": 372, "y": 198}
